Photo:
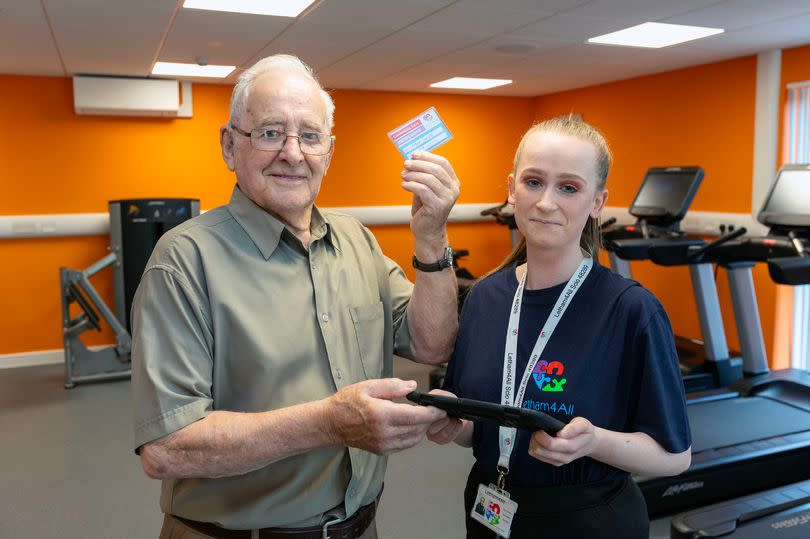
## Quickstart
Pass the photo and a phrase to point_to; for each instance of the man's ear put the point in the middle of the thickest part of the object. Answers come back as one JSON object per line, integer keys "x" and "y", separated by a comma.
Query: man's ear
{"x": 328, "y": 158}
{"x": 510, "y": 181}
{"x": 226, "y": 142}
{"x": 599, "y": 204}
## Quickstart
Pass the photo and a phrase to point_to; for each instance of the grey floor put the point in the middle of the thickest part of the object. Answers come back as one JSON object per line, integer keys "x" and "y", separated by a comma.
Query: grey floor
{"x": 67, "y": 469}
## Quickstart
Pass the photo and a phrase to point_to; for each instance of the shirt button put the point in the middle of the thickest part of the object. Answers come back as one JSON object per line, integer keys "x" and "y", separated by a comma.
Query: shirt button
{"x": 339, "y": 374}
{"x": 325, "y": 317}
{"x": 352, "y": 492}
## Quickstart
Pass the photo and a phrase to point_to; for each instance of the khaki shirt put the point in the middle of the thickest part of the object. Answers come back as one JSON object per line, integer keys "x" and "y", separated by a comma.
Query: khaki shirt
{"x": 233, "y": 313}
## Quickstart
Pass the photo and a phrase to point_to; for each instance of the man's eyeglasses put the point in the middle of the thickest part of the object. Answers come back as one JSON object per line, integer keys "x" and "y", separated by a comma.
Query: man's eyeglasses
{"x": 272, "y": 140}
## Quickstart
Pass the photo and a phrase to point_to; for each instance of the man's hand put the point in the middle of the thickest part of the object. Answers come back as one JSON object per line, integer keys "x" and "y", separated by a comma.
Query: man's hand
{"x": 446, "y": 429}
{"x": 577, "y": 439}
{"x": 435, "y": 189}
{"x": 362, "y": 416}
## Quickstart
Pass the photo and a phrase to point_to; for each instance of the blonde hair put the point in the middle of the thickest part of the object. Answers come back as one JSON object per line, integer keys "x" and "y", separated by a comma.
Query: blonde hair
{"x": 591, "y": 239}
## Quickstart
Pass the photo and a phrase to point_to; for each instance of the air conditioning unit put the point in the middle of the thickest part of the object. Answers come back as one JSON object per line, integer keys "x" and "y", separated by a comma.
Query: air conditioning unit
{"x": 118, "y": 96}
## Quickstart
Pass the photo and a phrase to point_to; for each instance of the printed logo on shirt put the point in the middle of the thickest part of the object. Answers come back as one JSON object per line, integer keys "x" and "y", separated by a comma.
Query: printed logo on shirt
{"x": 566, "y": 408}
{"x": 548, "y": 376}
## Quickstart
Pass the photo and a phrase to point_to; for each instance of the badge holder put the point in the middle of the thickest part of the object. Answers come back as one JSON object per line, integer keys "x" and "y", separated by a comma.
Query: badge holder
{"x": 493, "y": 508}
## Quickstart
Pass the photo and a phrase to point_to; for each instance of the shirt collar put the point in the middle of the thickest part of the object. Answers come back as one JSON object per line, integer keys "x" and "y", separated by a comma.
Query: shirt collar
{"x": 266, "y": 231}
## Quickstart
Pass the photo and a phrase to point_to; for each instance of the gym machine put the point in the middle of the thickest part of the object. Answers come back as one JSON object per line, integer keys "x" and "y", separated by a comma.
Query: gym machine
{"x": 135, "y": 227}
{"x": 659, "y": 206}
{"x": 755, "y": 434}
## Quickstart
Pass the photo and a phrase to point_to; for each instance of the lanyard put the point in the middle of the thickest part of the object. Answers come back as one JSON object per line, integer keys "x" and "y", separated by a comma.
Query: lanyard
{"x": 508, "y": 397}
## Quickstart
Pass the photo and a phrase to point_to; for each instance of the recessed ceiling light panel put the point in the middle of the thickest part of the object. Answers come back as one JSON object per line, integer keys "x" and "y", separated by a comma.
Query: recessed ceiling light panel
{"x": 655, "y": 35}
{"x": 286, "y": 8}
{"x": 467, "y": 83}
{"x": 191, "y": 70}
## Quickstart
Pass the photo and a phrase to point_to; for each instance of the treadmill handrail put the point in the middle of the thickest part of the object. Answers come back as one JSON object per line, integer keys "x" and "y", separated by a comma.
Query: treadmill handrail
{"x": 797, "y": 243}
{"x": 697, "y": 254}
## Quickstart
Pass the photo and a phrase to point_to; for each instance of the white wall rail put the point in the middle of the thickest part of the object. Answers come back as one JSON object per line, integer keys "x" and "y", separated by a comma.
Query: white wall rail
{"x": 95, "y": 224}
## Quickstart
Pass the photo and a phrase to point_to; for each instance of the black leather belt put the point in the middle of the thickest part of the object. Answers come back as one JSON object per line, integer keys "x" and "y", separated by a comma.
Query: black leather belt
{"x": 351, "y": 528}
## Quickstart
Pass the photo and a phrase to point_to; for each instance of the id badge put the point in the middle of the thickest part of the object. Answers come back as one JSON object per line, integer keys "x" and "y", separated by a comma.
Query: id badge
{"x": 425, "y": 132}
{"x": 494, "y": 509}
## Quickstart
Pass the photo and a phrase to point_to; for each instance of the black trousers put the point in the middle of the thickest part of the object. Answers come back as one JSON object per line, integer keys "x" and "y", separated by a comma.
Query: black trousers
{"x": 610, "y": 509}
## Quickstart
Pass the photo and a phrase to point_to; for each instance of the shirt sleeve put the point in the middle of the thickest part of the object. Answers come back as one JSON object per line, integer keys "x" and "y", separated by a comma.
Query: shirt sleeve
{"x": 660, "y": 410}
{"x": 172, "y": 356}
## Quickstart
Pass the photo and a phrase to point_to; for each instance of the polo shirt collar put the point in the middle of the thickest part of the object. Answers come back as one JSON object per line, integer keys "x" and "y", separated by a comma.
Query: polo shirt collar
{"x": 266, "y": 231}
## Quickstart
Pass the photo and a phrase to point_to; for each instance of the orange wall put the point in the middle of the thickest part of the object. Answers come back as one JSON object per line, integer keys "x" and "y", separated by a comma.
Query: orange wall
{"x": 56, "y": 162}
{"x": 703, "y": 116}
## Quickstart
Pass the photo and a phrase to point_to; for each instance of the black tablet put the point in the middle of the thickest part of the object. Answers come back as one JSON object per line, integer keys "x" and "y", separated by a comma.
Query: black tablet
{"x": 507, "y": 416}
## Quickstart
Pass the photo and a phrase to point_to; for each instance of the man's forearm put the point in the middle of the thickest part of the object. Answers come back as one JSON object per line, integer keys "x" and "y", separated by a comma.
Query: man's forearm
{"x": 233, "y": 443}
{"x": 433, "y": 308}
{"x": 636, "y": 452}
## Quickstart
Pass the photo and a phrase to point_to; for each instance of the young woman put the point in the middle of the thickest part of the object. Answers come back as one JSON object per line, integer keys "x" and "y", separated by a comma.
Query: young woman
{"x": 553, "y": 330}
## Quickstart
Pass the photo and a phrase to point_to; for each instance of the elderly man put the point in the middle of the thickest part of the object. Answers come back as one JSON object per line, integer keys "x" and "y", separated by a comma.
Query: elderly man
{"x": 263, "y": 333}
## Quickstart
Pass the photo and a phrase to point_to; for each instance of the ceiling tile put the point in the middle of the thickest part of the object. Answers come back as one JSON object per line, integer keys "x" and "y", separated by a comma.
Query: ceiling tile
{"x": 570, "y": 28}
{"x": 480, "y": 18}
{"x": 399, "y": 51}
{"x": 640, "y": 10}
{"x": 739, "y": 14}
{"x": 24, "y": 30}
{"x": 337, "y": 28}
{"x": 109, "y": 37}
{"x": 223, "y": 38}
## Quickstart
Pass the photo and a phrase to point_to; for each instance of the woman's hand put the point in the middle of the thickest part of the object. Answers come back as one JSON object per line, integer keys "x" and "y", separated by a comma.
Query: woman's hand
{"x": 446, "y": 429}
{"x": 577, "y": 439}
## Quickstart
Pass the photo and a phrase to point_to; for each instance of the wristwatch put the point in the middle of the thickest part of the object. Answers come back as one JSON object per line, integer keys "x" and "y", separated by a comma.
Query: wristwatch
{"x": 445, "y": 262}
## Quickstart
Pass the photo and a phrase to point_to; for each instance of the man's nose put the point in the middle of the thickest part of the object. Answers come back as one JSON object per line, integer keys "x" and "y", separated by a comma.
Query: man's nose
{"x": 291, "y": 151}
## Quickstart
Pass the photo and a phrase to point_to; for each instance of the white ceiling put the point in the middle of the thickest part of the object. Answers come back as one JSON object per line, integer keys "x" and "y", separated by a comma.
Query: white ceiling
{"x": 401, "y": 45}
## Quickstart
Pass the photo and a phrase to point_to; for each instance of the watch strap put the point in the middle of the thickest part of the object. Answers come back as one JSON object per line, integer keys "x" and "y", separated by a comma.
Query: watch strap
{"x": 445, "y": 262}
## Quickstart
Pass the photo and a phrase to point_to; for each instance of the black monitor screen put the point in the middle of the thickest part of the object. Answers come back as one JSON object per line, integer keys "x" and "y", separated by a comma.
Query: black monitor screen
{"x": 790, "y": 194}
{"x": 666, "y": 193}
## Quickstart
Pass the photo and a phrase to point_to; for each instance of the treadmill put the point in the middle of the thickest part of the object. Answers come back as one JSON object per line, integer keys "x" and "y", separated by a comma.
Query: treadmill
{"x": 756, "y": 434}
{"x": 782, "y": 512}
{"x": 659, "y": 206}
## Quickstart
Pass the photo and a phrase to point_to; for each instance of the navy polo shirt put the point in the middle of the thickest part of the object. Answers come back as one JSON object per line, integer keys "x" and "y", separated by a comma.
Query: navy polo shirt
{"x": 611, "y": 360}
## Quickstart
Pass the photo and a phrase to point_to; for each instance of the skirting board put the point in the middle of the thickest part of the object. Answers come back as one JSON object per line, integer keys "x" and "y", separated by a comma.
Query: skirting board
{"x": 37, "y": 358}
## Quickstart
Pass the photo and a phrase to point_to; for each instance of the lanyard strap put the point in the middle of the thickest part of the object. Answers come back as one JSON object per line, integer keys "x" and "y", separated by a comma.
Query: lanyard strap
{"x": 508, "y": 396}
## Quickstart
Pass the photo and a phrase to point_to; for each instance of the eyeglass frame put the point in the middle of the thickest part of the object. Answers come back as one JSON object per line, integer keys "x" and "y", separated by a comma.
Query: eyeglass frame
{"x": 249, "y": 134}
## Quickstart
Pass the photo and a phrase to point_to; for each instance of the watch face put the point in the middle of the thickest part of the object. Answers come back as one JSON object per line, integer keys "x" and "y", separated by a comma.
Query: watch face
{"x": 448, "y": 257}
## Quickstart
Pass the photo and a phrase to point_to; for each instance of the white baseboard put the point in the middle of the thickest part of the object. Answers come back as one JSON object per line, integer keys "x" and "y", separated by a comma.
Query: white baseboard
{"x": 37, "y": 358}
{"x": 32, "y": 359}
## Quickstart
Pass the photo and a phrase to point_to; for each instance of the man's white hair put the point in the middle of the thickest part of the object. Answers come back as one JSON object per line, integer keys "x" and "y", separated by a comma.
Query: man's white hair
{"x": 271, "y": 63}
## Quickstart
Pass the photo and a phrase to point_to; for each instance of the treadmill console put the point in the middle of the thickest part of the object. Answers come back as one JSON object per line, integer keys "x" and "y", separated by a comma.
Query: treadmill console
{"x": 665, "y": 194}
{"x": 788, "y": 202}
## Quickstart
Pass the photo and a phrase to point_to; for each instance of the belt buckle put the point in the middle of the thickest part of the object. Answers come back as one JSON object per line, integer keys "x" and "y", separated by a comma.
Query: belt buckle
{"x": 325, "y": 530}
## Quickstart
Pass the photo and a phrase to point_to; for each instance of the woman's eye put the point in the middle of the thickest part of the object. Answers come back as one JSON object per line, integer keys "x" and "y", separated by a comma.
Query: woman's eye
{"x": 531, "y": 182}
{"x": 570, "y": 189}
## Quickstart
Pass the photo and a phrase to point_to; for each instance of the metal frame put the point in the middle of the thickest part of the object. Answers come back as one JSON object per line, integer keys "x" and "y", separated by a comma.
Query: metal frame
{"x": 709, "y": 314}
{"x": 82, "y": 364}
{"x": 746, "y": 317}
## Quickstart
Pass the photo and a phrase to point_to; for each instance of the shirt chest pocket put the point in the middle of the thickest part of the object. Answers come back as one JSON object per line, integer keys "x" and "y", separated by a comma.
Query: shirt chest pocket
{"x": 369, "y": 329}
